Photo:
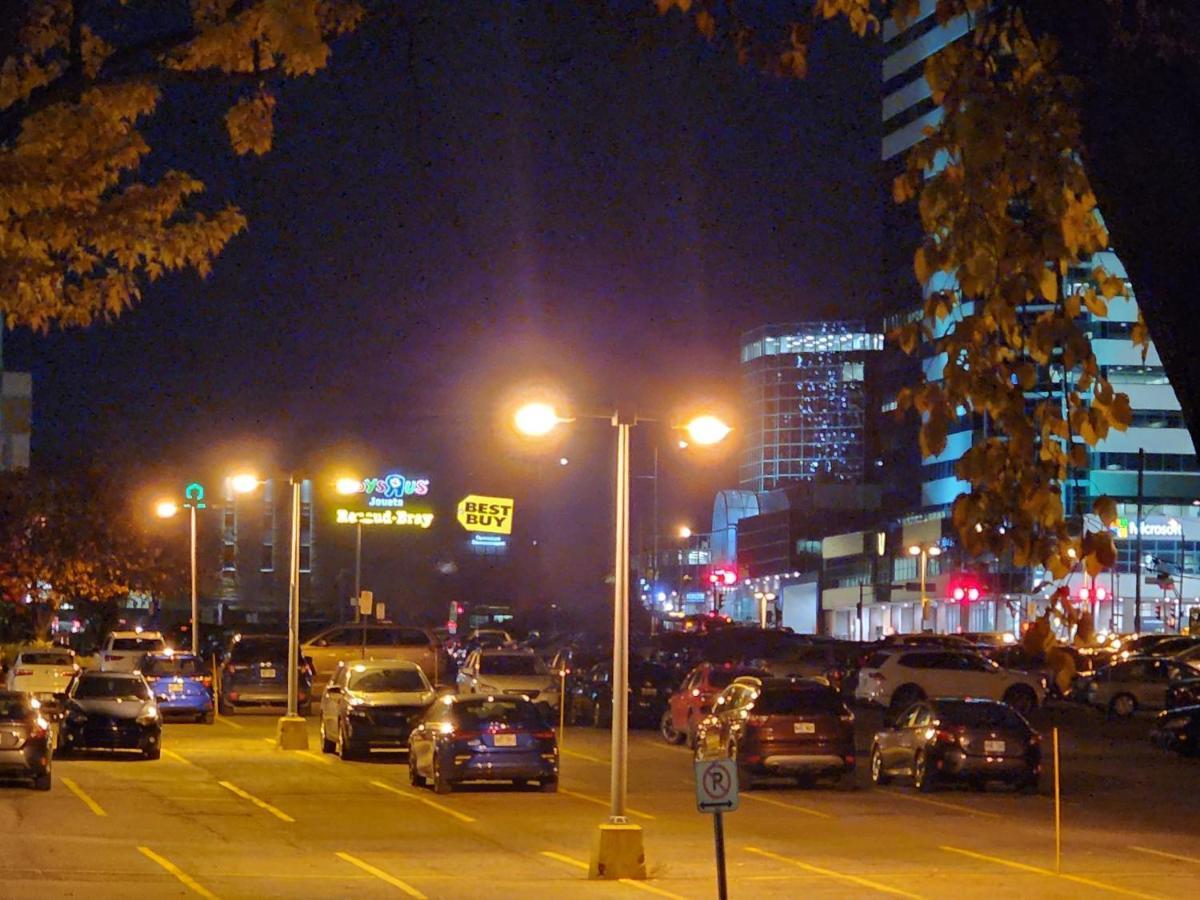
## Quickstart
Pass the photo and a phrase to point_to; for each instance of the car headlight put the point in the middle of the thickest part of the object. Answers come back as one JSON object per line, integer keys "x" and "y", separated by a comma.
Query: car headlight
{"x": 148, "y": 716}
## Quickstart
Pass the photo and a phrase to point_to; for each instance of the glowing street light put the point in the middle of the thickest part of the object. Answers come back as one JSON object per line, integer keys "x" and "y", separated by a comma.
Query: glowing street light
{"x": 536, "y": 419}
{"x": 707, "y": 430}
{"x": 346, "y": 486}
{"x": 244, "y": 483}
{"x": 166, "y": 509}
{"x": 684, "y": 532}
{"x": 924, "y": 551}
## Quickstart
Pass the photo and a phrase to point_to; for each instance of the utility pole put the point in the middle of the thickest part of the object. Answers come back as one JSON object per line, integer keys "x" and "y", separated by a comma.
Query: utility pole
{"x": 1137, "y": 562}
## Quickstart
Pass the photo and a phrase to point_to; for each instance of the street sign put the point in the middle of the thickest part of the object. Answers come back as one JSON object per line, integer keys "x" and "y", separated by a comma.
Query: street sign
{"x": 489, "y": 515}
{"x": 365, "y": 600}
{"x": 716, "y": 786}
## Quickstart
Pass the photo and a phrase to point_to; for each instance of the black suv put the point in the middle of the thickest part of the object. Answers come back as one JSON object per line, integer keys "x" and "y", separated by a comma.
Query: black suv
{"x": 255, "y": 674}
{"x": 111, "y": 711}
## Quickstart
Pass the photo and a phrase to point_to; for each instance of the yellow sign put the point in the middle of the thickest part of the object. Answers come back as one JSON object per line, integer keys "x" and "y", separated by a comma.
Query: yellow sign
{"x": 384, "y": 517}
{"x": 490, "y": 515}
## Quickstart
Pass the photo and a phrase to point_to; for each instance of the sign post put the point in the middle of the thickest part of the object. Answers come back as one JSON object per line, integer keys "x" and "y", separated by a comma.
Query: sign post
{"x": 717, "y": 793}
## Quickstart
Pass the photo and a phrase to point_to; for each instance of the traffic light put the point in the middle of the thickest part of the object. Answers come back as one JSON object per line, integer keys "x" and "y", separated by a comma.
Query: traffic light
{"x": 965, "y": 592}
{"x": 722, "y": 578}
{"x": 1087, "y": 594}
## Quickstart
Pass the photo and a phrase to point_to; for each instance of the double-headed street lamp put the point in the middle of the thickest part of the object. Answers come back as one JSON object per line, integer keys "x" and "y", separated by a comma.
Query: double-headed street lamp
{"x": 166, "y": 509}
{"x": 923, "y": 552}
{"x": 618, "y": 851}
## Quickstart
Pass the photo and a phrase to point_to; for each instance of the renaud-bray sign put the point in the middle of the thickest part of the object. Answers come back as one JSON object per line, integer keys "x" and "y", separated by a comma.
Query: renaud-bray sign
{"x": 386, "y": 501}
{"x": 487, "y": 515}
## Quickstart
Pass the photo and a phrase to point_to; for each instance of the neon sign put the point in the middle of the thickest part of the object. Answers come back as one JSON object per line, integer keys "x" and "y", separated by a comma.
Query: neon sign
{"x": 390, "y": 490}
{"x": 394, "y": 517}
{"x": 1126, "y": 528}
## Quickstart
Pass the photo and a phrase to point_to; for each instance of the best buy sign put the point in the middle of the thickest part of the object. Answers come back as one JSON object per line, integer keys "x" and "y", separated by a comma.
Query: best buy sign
{"x": 490, "y": 515}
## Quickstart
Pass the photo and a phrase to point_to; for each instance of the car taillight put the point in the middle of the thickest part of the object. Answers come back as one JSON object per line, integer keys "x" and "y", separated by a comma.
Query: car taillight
{"x": 70, "y": 673}
{"x": 544, "y": 735}
{"x": 20, "y": 672}
{"x": 465, "y": 735}
{"x": 946, "y": 736}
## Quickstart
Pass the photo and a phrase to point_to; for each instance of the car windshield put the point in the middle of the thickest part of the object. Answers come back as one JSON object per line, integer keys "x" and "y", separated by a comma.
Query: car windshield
{"x": 511, "y": 665}
{"x": 109, "y": 686}
{"x": 260, "y": 650}
{"x": 797, "y": 702}
{"x": 162, "y": 666}
{"x": 140, "y": 644}
{"x": 484, "y": 714}
{"x": 978, "y": 715}
{"x": 396, "y": 681}
{"x": 722, "y": 677}
{"x": 13, "y": 708}
{"x": 45, "y": 659}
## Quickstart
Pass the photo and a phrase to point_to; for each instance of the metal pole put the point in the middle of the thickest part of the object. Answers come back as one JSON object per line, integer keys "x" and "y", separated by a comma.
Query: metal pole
{"x": 924, "y": 600}
{"x": 294, "y": 603}
{"x": 357, "y": 561}
{"x": 620, "y": 667}
{"x": 1137, "y": 563}
{"x": 1057, "y": 811}
{"x": 195, "y": 594}
{"x": 654, "y": 537}
{"x": 562, "y": 707}
{"x": 719, "y": 838}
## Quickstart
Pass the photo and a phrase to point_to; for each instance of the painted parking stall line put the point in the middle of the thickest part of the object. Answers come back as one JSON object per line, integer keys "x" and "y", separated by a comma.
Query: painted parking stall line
{"x": 181, "y": 876}
{"x": 261, "y": 804}
{"x": 83, "y": 795}
{"x": 432, "y": 804}
{"x": 844, "y": 877}
{"x": 1049, "y": 873}
{"x": 381, "y": 875}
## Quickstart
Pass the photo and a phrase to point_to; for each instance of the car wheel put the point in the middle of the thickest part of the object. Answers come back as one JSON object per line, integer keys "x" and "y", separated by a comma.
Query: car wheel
{"x": 440, "y": 784}
{"x": 207, "y": 718}
{"x": 923, "y": 777}
{"x": 1021, "y": 698}
{"x": 42, "y": 782}
{"x": 879, "y": 775}
{"x": 224, "y": 707}
{"x": 346, "y": 750}
{"x": 154, "y": 752}
{"x": 666, "y": 727}
{"x": 415, "y": 778}
{"x": 1122, "y": 705}
{"x": 327, "y": 746}
{"x": 548, "y": 785}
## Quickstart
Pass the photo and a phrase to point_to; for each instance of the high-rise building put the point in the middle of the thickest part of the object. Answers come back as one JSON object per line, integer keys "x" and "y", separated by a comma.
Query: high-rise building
{"x": 804, "y": 393}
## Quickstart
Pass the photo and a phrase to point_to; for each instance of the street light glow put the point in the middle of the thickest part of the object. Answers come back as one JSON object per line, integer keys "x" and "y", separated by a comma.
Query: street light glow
{"x": 165, "y": 509}
{"x": 685, "y": 532}
{"x": 914, "y": 550}
{"x": 536, "y": 419}
{"x": 707, "y": 430}
{"x": 244, "y": 483}
{"x": 934, "y": 551}
{"x": 348, "y": 485}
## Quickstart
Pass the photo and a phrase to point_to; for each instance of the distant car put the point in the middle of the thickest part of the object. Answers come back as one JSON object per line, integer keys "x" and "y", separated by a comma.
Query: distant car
{"x": 950, "y": 739}
{"x": 43, "y": 674}
{"x": 992, "y": 639}
{"x": 899, "y": 678}
{"x": 1178, "y": 730}
{"x": 650, "y": 687}
{"x": 572, "y": 664}
{"x": 693, "y": 699}
{"x": 1124, "y": 687}
{"x": 1190, "y": 655}
{"x": 773, "y": 726}
{"x": 182, "y": 685}
{"x": 111, "y": 711}
{"x": 25, "y": 741}
{"x": 482, "y": 738}
{"x": 372, "y": 704}
{"x": 516, "y": 672}
{"x": 370, "y": 640}
{"x": 482, "y": 639}
{"x": 1141, "y": 645}
{"x": 122, "y": 651}
{"x": 255, "y": 673}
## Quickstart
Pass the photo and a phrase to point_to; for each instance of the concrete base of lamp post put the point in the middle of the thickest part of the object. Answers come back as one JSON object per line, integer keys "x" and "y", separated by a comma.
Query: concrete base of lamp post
{"x": 291, "y": 733}
{"x": 618, "y": 852}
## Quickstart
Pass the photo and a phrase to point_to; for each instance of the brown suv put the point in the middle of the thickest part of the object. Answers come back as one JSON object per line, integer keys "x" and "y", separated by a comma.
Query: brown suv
{"x": 773, "y": 726}
{"x": 374, "y": 641}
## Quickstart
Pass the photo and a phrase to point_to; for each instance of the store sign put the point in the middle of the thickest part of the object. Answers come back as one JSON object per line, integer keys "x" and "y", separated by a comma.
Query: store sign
{"x": 1171, "y": 529}
{"x": 390, "y": 490}
{"x": 394, "y": 517}
{"x": 487, "y": 515}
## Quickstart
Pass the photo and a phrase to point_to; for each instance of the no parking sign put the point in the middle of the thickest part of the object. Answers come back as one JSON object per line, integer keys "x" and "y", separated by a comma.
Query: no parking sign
{"x": 716, "y": 786}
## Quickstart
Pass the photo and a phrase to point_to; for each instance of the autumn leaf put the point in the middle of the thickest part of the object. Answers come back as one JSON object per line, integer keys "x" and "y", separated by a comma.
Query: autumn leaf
{"x": 250, "y": 123}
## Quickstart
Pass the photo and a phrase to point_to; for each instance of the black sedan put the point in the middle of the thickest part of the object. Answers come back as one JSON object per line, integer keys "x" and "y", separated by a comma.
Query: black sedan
{"x": 24, "y": 741}
{"x": 971, "y": 741}
{"x": 482, "y": 738}
{"x": 1179, "y": 730}
{"x": 111, "y": 711}
{"x": 650, "y": 687}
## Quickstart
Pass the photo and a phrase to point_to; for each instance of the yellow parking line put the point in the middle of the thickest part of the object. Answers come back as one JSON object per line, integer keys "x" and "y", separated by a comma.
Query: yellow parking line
{"x": 837, "y": 876}
{"x": 595, "y": 759}
{"x": 796, "y": 806}
{"x": 433, "y": 804}
{"x": 181, "y": 875}
{"x": 225, "y": 721}
{"x": 261, "y": 804}
{"x": 82, "y": 795}
{"x": 941, "y": 804}
{"x": 381, "y": 875}
{"x": 601, "y": 802}
{"x": 171, "y": 754}
{"x": 570, "y": 861}
{"x": 307, "y": 755}
{"x": 1175, "y": 856}
{"x": 1037, "y": 870}
{"x": 629, "y": 882}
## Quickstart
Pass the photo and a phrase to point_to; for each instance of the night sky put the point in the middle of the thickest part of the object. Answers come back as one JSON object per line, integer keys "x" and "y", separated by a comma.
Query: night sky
{"x": 545, "y": 194}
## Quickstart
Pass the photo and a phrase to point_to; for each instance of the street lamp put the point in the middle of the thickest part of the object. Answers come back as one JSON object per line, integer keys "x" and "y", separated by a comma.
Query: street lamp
{"x": 618, "y": 850}
{"x": 166, "y": 509}
{"x": 684, "y": 532}
{"x": 924, "y": 551}
{"x": 345, "y": 487}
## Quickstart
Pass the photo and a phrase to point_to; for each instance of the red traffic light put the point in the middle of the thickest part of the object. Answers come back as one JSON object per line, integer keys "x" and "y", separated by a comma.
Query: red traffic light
{"x": 1094, "y": 593}
{"x": 965, "y": 592}
{"x": 722, "y": 576}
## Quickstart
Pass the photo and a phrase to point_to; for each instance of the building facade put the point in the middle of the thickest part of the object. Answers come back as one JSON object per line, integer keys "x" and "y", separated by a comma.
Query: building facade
{"x": 16, "y": 415}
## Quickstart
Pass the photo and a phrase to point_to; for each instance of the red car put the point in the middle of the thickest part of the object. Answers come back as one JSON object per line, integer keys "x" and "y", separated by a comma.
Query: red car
{"x": 688, "y": 705}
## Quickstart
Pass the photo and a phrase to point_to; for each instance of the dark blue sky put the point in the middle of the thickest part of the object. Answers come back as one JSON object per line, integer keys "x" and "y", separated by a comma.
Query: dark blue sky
{"x": 552, "y": 195}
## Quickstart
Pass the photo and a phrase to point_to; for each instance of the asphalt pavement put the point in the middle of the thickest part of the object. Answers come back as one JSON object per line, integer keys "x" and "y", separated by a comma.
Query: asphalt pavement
{"x": 225, "y": 814}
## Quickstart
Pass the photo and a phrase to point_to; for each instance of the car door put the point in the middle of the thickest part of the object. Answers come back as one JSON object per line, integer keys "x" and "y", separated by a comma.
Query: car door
{"x": 329, "y": 649}
{"x": 904, "y": 744}
{"x": 976, "y": 678}
{"x": 1151, "y": 692}
{"x": 679, "y": 702}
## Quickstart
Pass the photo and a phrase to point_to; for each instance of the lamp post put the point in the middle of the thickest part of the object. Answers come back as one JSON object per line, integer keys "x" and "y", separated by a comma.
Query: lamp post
{"x": 345, "y": 487}
{"x": 923, "y": 552}
{"x": 166, "y": 509}
{"x": 618, "y": 850}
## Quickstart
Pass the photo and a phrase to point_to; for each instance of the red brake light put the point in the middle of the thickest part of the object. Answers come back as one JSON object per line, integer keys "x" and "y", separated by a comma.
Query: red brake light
{"x": 21, "y": 672}
{"x": 544, "y": 735}
{"x": 943, "y": 735}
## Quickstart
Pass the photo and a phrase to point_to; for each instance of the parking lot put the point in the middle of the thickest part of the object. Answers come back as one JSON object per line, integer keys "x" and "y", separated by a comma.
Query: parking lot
{"x": 225, "y": 814}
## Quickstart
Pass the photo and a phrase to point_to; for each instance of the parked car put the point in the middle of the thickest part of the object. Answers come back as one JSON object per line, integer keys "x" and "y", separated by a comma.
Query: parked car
{"x": 25, "y": 741}
{"x": 372, "y": 704}
{"x": 1184, "y": 692}
{"x": 111, "y": 711}
{"x": 950, "y": 739}
{"x": 482, "y": 639}
{"x": 182, "y": 685}
{"x": 774, "y": 726}
{"x": 517, "y": 672}
{"x": 898, "y": 679}
{"x": 693, "y": 699}
{"x": 368, "y": 640}
{"x": 43, "y": 674}
{"x": 571, "y": 664}
{"x": 1140, "y": 645}
{"x": 482, "y": 738}
{"x": 1124, "y": 687}
{"x": 255, "y": 674}
{"x": 649, "y": 689}
{"x": 122, "y": 651}
{"x": 1178, "y": 730}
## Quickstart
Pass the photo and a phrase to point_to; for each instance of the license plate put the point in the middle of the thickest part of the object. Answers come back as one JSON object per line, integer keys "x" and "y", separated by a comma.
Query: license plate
{"x": 648, "y": 692}
{"x": 804, "y": 728}
{"x": 505, "y": 740}
{"x": 993, "y": 746}
{"x": 266, "y": 673}
{"x": 175, "y": 687}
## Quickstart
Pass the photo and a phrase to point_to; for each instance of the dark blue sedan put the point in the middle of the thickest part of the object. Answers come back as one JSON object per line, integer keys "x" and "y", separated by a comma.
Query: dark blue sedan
{"x": 182, "y": 685}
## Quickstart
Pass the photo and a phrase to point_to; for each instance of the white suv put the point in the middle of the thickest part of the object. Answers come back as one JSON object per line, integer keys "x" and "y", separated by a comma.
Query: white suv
{"x": 900, "y": 678}
{"x": 123, "y": 651}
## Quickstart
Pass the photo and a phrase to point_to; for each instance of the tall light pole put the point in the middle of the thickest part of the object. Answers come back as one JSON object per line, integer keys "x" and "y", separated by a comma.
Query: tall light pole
{"x": 618, "y": 850}
{"x": 166, "y": 509}
{"x": 345, "y": 487}
{"x": 923, "y": 552}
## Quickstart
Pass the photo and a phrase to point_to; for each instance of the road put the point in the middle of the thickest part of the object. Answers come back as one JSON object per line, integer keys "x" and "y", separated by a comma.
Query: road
{"x": 224, "y": 814}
